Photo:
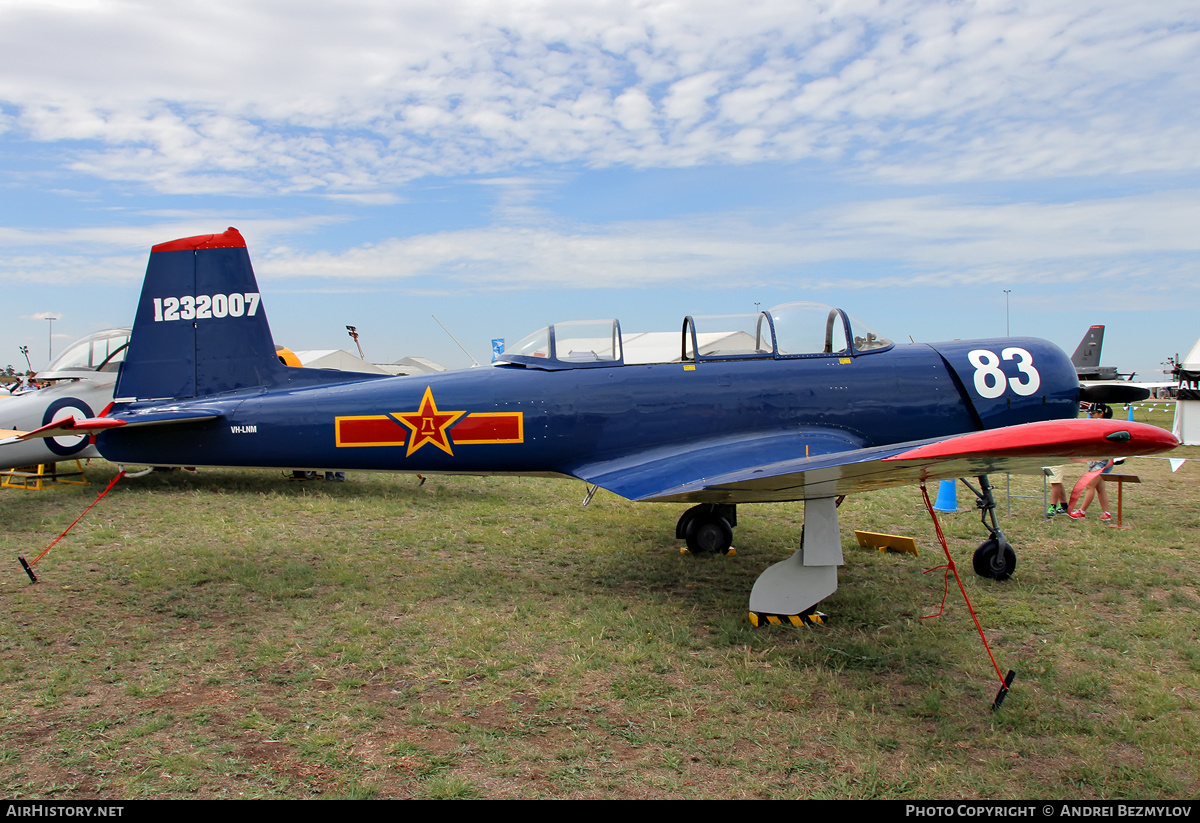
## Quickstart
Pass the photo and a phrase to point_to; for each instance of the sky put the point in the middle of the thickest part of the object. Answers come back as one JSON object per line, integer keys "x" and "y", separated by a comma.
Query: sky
{"x": 938, "y": 169}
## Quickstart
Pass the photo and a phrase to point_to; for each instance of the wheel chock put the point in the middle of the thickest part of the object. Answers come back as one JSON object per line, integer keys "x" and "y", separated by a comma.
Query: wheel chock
{"x": 886, "y": 542}
{"x": 810, "y": 619}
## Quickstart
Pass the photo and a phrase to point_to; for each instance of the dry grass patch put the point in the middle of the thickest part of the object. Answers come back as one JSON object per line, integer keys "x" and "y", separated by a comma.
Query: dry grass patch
{"x": 237, "y": 634}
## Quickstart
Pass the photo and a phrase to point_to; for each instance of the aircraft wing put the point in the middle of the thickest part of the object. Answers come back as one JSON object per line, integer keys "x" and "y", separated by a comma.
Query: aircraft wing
{"x": 666, "y": 476}
{"x": 647, "y": 474}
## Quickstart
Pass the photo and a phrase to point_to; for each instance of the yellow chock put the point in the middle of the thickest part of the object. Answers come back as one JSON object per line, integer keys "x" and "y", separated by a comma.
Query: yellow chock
{"x": 886, "y": 542}
{"x": 811, "y": 619}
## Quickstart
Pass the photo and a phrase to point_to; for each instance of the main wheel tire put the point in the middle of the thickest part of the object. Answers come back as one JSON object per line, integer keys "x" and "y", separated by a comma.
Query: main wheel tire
{"x": 709, "y": 534}
{"x": 685, "y": 521}
{"x": 990, "y": 561}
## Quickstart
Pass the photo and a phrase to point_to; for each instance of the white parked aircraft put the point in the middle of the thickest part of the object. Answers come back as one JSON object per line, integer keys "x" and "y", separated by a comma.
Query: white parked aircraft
{"x": 81, "y": 386}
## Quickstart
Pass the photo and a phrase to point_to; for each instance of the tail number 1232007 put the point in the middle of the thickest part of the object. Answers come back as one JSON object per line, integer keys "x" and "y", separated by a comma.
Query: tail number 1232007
{"x": 205, "y": 306}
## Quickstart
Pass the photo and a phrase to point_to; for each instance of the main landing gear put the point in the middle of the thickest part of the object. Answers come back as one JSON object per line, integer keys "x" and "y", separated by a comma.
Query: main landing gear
{"x": 708, "y": 528}
{"x": 788, "y": 591}
{"x": 994, "y": 558}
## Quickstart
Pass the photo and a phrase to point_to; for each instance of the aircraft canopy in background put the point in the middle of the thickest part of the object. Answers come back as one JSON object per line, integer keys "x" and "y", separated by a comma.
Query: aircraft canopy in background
{"x": 103, "y": 351}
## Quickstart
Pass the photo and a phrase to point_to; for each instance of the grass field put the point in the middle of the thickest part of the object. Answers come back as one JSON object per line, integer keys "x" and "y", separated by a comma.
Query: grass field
{"x": 239, "y": 634}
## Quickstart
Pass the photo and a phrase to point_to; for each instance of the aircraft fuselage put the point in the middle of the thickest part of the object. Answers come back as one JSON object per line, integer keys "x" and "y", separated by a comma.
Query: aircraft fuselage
{"x": 513, "y": 419}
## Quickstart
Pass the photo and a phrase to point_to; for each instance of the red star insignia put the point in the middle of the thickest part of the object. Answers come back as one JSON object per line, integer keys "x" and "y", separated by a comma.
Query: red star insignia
{"x": 429, "y": 425}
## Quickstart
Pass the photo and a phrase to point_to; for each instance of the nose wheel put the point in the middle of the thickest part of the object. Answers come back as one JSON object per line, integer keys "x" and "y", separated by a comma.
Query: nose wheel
{"x": 994, "y": 559}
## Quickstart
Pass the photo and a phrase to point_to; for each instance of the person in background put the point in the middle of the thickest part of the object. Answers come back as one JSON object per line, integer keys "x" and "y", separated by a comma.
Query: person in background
{"x": 1095, "y": 484}
{"x": 1058, "y": 497}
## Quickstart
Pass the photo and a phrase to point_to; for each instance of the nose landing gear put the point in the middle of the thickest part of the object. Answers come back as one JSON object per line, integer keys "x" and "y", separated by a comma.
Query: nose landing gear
{"x": 994, "y": 558}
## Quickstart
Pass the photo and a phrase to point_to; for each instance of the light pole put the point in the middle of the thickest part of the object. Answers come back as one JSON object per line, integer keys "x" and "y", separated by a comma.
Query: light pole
{"x": 50, "y": 338}
{"x": 1007, "y": 292}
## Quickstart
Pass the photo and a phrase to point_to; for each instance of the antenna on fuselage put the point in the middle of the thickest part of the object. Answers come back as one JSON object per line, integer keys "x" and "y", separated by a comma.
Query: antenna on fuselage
{"x": 474, "y": 362}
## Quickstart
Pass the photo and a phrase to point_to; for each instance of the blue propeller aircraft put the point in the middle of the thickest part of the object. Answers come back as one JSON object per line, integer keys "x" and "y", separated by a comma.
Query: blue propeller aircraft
{"x": 800, "y": 402}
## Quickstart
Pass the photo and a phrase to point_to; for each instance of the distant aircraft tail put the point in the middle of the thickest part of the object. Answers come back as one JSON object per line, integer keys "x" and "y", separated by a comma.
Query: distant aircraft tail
{"x": 1087, "y": 355}
{"x": 200, "y": 327}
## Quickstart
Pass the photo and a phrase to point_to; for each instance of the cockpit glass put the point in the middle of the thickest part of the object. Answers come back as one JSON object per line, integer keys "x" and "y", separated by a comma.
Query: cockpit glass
{"x": 865, "y": 337}
{"x": 534, "y": 345}
{"x": 815, "y": 328}
{"x": 788, "y": 330}
{"x": 103, "y": 351}
{"x": 731, "y": 335}
{"x": 587, "y": 341}
{"x": 809, "y": 328}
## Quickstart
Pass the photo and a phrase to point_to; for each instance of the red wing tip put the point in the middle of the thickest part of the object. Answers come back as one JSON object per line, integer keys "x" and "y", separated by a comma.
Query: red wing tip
{"x": 1050, "y": 438}
{"x": 231, "y": 238}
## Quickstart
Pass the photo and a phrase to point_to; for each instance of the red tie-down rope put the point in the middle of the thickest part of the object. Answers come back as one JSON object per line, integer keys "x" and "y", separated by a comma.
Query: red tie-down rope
{"x": 950, "y": 568}
{"x": 28, "y": 566}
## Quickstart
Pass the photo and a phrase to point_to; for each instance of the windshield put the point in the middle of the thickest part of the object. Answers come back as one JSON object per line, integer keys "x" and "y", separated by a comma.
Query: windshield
{"x": 534, "y": 345}
{"x": 865, "y": 337}
{"x": 571, "y": 345}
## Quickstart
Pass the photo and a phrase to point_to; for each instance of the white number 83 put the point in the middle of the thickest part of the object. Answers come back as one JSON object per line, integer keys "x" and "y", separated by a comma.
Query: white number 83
{"x": 990, "y": 381}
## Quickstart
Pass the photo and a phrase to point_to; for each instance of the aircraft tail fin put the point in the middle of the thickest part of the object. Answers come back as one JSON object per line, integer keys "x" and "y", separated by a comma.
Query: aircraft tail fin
{"x": 1087, "y": 354}
{"x": 200, "y": 327}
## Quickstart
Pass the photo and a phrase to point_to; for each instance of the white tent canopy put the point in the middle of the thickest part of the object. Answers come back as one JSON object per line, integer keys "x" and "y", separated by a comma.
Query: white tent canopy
{"x": 1187, "y": 411}
{"x": 341, "y": 360}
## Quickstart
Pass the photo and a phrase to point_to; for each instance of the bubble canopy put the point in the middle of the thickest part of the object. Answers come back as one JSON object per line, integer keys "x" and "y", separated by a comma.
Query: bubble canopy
{"x": 790, "y": 330}
{"x": 100, "y": 352}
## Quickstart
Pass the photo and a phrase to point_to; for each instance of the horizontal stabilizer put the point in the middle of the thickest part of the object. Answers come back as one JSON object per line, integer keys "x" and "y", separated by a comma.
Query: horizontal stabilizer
{"x": 67, "y": 426}
{"x": 163, "y": 417}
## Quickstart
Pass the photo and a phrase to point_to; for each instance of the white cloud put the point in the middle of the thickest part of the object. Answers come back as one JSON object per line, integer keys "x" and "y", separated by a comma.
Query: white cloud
{"x": 917, "y": 242}
{"x": 884, "y": 243}
{"x": 106, "y": 252}
{"x": 359, "y": 97}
